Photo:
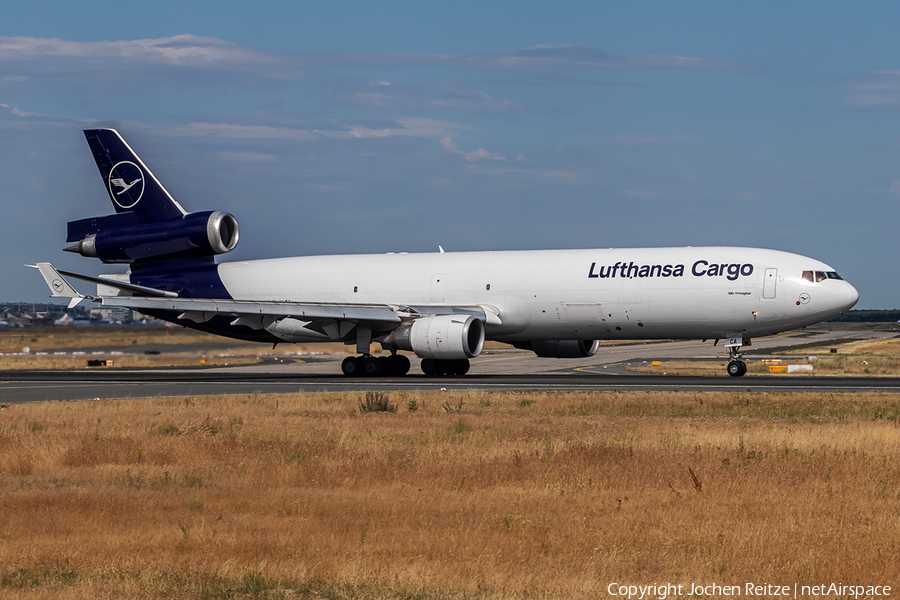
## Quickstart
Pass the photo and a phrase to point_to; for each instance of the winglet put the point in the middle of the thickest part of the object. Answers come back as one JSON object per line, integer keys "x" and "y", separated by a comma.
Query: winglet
{"x": 59, "y": 287}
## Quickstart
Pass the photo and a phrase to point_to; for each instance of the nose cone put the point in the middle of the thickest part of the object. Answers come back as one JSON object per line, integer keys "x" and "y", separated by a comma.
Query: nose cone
{"x": 848, "y": 298}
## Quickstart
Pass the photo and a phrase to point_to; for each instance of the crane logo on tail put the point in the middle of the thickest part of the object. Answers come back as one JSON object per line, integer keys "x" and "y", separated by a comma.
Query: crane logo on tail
{"x": 126, "y": 184}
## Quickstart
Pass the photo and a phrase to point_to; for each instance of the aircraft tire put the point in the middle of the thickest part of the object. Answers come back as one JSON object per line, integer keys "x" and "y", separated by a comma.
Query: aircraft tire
{"x": 351, "y": 366}
{"x": 399, "y": 364}
{"x": 429, "y": 367}
{"x": 373, "y": 367}
{"x": 737, "y": 368}
{"x": 386, "y": 366}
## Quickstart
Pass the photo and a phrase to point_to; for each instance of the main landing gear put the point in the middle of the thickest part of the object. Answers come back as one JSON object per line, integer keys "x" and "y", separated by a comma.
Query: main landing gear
{"x": 397, "y": 364}
{"x": 375, "y": 366}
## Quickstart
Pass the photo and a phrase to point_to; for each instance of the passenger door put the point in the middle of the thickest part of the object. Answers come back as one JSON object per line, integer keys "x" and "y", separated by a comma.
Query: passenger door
{"x": 769, "y": 283}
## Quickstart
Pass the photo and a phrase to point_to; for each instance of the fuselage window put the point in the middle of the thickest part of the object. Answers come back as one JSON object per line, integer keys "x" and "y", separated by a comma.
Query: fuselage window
{"x": 807, "y": 276}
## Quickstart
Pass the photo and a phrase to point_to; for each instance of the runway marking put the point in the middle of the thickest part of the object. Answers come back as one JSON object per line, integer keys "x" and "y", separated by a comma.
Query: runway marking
{"x": 75, "y": 384}
{"x": 475, "y": 362}
{"x": 587, "y": 370}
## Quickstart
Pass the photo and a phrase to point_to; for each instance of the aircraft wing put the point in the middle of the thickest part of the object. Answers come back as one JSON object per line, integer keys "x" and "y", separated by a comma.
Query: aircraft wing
{"x": 256, "y": 314}
{"x": 200, "y": 309}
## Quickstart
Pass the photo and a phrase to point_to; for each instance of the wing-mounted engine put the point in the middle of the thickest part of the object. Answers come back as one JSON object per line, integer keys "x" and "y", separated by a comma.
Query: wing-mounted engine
{"x": 444, "y": 337}
{"x": 122, "y": 238}
{"x": 561, "y": 348}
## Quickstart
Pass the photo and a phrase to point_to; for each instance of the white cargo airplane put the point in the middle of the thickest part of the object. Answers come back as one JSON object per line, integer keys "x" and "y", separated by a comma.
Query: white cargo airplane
{"x": 440, "y": 306}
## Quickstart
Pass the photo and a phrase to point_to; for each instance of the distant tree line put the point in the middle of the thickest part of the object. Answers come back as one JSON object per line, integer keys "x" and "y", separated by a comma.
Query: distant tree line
{"x": 867, "y": 316}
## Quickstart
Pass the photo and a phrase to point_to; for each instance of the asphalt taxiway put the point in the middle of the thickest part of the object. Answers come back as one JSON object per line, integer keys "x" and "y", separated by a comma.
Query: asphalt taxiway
{"x": 499, "y": 370}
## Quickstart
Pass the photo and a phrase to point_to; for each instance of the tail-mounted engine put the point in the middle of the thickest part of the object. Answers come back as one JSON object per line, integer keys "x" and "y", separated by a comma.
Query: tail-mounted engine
{"x": 122, "y": 238}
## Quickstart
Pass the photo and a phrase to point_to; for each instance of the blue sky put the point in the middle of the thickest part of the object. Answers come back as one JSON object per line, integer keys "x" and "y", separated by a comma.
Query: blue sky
{"x": 353, "y": 127}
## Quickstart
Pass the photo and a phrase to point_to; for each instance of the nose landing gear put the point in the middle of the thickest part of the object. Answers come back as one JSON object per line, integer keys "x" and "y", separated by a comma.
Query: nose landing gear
{"x": 736, "y": 367}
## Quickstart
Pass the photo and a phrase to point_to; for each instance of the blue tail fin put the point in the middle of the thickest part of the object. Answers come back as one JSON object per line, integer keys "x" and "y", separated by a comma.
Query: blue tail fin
{"x": 130, "y": 184}
{"x": 149, "y": 225}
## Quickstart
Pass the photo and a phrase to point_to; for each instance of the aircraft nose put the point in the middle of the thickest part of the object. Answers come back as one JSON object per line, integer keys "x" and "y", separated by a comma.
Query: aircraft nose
{"x": 849, "y": 296}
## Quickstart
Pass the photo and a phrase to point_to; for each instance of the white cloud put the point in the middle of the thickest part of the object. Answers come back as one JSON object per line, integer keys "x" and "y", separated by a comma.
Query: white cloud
{"x": 573, "y": 57}
{"x": 449, "y": 145}
{"x": 179, "y": 50}
{"x": 481, "y": 154}
{"x": 410, "y": 126}
{"x": 405, "y": 126}
{"x": 128, "y": 65}
{"x": 18, "y": 112}
{"x": 239, "y": 132}
{"x": 875, "y": 91}
{"x": 22, "y": 113}
{"x": 407, "y": 96}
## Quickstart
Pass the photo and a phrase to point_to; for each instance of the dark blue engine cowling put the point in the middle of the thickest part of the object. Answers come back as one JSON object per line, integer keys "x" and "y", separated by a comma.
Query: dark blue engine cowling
{"x": 199, "y": 234}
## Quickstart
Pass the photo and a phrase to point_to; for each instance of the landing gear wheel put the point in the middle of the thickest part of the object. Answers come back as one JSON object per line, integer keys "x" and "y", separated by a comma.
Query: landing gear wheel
{"x": 460, "y": 367}
{"x": 399, "y": 364}
{"x": 385, "y": 366}
{"x": 429, "y": 366}
{"x": 372, "y": 366}
{"x": 737, "y": 368}
{"x": 352, "y": 366}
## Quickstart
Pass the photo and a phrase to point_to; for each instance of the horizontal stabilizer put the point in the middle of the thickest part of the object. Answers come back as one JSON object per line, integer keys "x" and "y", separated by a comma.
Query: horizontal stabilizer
{"x": 59, "y": 287}
{"x": 140, "y": 290}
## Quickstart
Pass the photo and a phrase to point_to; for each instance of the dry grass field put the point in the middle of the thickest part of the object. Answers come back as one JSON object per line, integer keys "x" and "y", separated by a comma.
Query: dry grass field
{"x": 138, "y": 361}
{"x": 54, "y": 338}
{"x": 468, "y": 496}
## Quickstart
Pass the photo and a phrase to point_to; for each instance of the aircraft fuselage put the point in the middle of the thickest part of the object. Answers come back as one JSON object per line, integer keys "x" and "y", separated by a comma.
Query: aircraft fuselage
{"x": 630, "y": 293}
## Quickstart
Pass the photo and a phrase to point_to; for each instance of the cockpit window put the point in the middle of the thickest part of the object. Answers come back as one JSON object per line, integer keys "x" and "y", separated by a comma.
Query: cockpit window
{"x": 817, "y": 276}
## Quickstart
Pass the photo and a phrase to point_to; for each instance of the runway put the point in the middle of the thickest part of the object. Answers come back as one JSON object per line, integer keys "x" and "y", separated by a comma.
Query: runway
{"x": 502, "y": 371}
{"x": 39, "y": 386}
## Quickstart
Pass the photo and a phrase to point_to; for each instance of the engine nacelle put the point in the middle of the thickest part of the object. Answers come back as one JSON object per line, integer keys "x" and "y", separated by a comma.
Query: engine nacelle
{"x": 443, "y": 337}
{"x": 561, "y": 348}
{"x": 195, "y": 234}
